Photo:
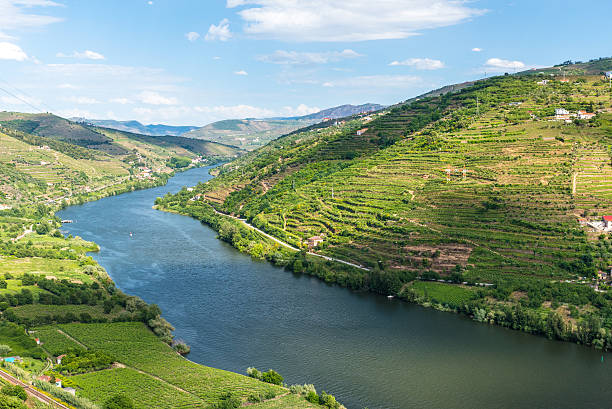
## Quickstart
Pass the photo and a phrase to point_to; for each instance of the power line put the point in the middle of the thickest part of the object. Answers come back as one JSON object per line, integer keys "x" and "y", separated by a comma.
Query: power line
{"x": 49, "y": 109}
{"x": 21, "y": 99}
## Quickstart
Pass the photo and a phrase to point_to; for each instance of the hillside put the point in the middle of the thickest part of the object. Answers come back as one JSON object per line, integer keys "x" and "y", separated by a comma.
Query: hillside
{"x": 52, "y": 126}
{"x": 250, "y": 134}
{"x": 246, "y": 134}
{"x": 482, "y": 187}
{"x": 57, "y": 302}
{"x": 137, "y": 127}
{"x": 341, "y": 111}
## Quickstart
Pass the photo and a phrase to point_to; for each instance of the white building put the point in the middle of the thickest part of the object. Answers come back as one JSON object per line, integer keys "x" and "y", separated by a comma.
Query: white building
{"x": 561, "y": 111}
{"x": 609, "y": 74}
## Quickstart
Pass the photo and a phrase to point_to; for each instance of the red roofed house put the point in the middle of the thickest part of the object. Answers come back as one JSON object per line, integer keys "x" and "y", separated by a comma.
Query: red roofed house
{"x": 362, "y": 131}
{"x": 44, "y": 378}
{"x": 585, "y": 115}
{"x": 59, "y": 359}
{"x": 607, "y": 222}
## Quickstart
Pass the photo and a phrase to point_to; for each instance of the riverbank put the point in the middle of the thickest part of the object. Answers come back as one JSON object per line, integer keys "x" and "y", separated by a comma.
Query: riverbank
{"x": 53, "y": 290}
{"x": 463, "y": 297}
{"x": 368, "y": 351}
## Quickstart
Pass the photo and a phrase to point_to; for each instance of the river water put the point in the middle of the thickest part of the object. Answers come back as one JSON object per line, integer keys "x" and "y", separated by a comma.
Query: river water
{"x": 366, "y": 350}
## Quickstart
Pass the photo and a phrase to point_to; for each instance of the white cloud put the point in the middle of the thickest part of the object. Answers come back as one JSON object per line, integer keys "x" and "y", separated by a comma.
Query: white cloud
{"x": 498, "y": 64}
{"x": 67, "y": 86}
{"x": 376, "y": 81}
{"x": 155, "y": 98}
{"x": 477, "y": 50}
{"x": 301, "y": 58}
{"x": 192, "y": 36}
{"x": 355, "y": 20}
{"x": 87, "y": 55}
{"x": 150, "y": 3}
{"x": 82, "y": 100}
{"x": 120, "y": 101}
{"x": 9, "y": 51}
{"x": 241, "y": 72}
{"x": 17, "y": 15}
{"x": 219, "y": 32}
{"x": 420, "y": 63}
{"x": 249, "y": 111}
{"x": 216, "y": 58}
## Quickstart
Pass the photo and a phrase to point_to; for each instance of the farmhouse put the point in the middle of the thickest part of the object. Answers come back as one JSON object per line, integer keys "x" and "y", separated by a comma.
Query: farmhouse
{"x": 59, "y": 359}
{"x": 607, "y": 222}
{"x": 362, "y": 131}
{"x": 44, "y": 378}
{"x": 585, "y": 115}
{"x": 609, "y": 74}
{"x": 602, "y": 275}
{"x": 314, "y": 241}
{"x": 543, "y": 82}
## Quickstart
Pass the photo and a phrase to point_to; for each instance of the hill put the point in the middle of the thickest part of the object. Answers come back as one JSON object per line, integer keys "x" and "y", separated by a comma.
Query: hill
{"x": 137, "y": 127}
{"x": 341, "y": 111}
{"x": 52, "y": 126}
{"x": 251, "y": 134}
{"x": 56, "y": 301}
{"x": 481, "y": 187}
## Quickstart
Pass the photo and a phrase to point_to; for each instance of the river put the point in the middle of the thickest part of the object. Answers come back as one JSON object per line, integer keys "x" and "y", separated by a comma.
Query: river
{"x": 366, "y": 350}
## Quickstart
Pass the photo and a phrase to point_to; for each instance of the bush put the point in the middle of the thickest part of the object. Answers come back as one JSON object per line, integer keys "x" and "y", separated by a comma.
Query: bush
{"x": 253, "y": 373}
{"x": 11, "y": 402}
{"x": 16, "y": 391}
{"x": 312, "y": 397}
{"x": 119, "y": 402}
{"x": 272, "y": 377}
{"x": 329, "y": 401}
{"x": 228, "y": 401}
{"x": 5, "y": 350}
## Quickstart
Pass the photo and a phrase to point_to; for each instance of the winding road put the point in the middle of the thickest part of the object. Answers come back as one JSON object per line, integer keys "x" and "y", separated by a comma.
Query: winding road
{"x": 287, "y": 245}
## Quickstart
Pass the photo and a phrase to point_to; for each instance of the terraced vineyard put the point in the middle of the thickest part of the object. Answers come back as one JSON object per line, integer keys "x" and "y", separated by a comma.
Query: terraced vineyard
{"x": 134, "y": 345}
{"x": 478, "y": 183}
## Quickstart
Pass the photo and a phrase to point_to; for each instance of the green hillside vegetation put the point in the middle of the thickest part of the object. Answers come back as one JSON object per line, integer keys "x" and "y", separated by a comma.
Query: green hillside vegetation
{"x": 51, "y": 289}
{"x": 473, "y": 187}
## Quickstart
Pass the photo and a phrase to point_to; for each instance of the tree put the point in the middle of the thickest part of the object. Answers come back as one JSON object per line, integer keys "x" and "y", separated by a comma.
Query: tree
{"x": 272, "y": 377}
{"x": 5, "y": 350}
{"x": 11, "y": 402}
{"x": 16, "y": 391}
{"x": 119, "y": 401}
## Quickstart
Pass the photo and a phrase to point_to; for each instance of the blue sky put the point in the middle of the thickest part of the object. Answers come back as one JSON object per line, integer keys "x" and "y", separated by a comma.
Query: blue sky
{"x": 191, "y": 62}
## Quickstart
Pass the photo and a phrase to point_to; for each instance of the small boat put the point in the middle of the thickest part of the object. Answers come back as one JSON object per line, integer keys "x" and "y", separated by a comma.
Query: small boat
{"x": 67, "y": 221}
{"x": 390, "y": 297}
{"x": 131, "y": 234}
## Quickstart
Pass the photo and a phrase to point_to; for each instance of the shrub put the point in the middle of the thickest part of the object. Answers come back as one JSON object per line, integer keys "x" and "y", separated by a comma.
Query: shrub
{"x": 228, "y": 401}
{"x": 312, "y": 397}
{"x": 11, "y": 402}
{"x": 329, "y": 401}
{"x": 253, "y": 373}
{"x": 16, "y": 391}
{"x": 272, "y": 377}
{"x": 119, "y": 402}
{"x": 5, "y": 350}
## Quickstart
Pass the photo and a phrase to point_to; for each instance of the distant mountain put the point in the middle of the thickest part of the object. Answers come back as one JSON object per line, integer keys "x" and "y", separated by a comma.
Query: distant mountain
{"x": 250, "y": 134}
{"x": 137, "y": 127}
{"x": 340, "y": 112}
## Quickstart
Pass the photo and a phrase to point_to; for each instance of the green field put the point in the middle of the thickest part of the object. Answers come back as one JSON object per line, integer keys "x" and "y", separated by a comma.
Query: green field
{"x": 134, "y": 345}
